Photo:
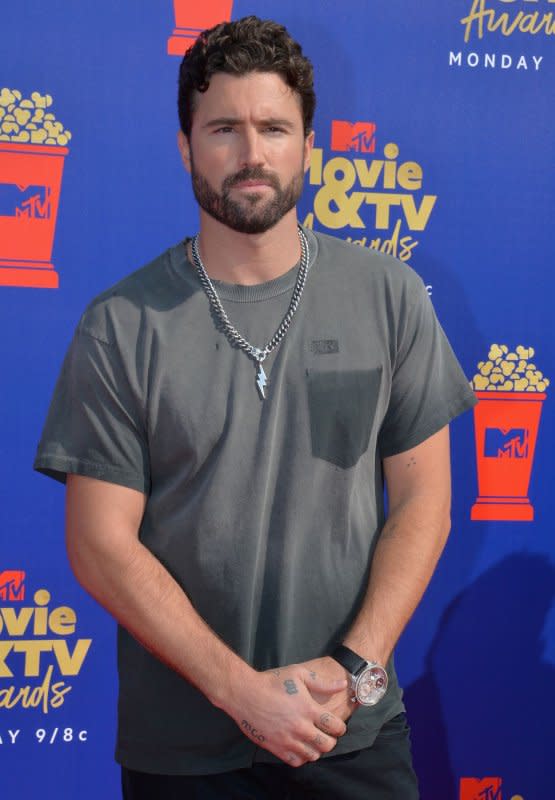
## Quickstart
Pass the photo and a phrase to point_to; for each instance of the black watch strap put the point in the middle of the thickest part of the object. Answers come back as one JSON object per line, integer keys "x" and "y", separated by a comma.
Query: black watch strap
{"x": 348, "y": 659}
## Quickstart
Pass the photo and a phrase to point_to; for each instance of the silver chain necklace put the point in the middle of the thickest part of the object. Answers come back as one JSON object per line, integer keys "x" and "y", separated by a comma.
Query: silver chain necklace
{"x": 258, "y": 354}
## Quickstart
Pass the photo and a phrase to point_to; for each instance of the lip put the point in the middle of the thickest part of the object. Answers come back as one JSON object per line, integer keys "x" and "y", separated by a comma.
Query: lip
{"x": 251, "y": 185}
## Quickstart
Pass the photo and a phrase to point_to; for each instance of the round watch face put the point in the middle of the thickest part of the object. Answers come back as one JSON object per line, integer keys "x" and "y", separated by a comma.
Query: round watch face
{"x": 371, "y": 685}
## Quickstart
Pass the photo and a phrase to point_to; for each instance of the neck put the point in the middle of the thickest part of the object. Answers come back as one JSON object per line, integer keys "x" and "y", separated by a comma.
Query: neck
{"x": 245, "y": 258}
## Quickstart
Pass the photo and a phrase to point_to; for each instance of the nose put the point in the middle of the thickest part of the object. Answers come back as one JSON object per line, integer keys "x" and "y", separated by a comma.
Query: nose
{"x": 251, "y": 154}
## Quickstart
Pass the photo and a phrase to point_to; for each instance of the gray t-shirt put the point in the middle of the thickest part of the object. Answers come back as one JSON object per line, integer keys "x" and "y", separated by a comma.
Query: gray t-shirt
{"x": 266, "y": 512}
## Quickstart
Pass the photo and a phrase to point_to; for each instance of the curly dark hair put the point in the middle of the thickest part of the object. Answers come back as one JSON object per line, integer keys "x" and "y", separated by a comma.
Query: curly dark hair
{"x": 237, "y": 48}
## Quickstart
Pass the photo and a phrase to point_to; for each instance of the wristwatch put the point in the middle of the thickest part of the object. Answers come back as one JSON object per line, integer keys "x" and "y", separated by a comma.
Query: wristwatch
{"x": 368, "y": 679}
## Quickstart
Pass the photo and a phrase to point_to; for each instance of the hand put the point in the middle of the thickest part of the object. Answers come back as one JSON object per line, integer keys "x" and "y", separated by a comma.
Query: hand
{"x": 278, "y": 712}
{"x": 340, "y": 703}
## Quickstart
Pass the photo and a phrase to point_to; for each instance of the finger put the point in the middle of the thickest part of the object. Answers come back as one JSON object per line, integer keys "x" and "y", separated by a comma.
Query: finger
{"x": 305, "y": 752}
{"x": 330, "y": 724}
{"x": 309, "y": 750}
{"x": 311, "y": 754}
{"x": 293, "y": 760}
{"x": 322, "y": 742}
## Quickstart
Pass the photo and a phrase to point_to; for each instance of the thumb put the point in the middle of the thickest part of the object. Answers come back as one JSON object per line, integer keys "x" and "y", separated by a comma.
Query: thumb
{"x": 315, "y": 683}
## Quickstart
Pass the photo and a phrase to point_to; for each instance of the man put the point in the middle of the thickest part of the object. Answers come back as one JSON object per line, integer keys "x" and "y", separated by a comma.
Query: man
{"x": 224, "y": 417}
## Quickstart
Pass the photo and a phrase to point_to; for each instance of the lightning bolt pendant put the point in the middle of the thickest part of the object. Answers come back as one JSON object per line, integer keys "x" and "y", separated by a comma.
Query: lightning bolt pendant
{"x": 261, "y": 380}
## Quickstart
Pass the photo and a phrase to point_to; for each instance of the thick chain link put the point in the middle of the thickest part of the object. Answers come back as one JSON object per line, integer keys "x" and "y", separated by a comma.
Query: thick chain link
{"x": 233, "y": 335}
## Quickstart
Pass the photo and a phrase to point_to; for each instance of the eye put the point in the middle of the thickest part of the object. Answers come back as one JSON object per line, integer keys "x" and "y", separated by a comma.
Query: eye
{"x": 224, "y": 129}
{"x": 273, "y": 132}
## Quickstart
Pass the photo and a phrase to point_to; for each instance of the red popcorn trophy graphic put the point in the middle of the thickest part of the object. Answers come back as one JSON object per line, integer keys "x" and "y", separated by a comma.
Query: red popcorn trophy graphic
{"x": 32, "y": 153}
{"x": 192, "y": 17}
{"x": 481, "y": 789}
{"x": 511, "y": 392}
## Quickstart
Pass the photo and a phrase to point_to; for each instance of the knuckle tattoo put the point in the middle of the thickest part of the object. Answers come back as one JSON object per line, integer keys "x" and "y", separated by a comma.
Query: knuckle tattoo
{"x": 290, "y": 686}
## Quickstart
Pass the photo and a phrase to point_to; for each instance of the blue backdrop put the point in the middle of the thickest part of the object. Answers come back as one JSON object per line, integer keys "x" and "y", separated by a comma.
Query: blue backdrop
{"x": 434, "y": 141}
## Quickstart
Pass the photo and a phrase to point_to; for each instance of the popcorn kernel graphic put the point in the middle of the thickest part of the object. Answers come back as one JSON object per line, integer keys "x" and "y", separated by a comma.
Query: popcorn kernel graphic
{"x": 501, "y": 365}
{"x": 20, "y": 114}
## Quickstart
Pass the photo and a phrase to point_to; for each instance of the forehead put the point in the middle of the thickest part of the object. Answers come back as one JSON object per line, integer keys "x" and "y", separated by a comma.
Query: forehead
{"x": 256, "y": 95}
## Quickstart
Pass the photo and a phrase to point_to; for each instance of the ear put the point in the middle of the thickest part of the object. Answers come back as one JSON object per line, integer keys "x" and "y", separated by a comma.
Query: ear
{"x": 184, "y": 149}
{"x": 308, "y": 145}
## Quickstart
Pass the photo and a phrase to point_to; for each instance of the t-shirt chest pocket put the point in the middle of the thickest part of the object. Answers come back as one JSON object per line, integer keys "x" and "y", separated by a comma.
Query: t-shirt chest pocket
{"x": 342, "y": 407}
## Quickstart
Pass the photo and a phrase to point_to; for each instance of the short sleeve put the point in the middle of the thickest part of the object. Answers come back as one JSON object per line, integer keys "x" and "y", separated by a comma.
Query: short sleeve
{"x": 95, "y": 423}
{"x": 428, "y": 386}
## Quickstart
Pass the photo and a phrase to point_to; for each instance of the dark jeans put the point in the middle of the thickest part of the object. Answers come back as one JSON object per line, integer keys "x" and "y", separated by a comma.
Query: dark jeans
{"x": 381, "y": 772}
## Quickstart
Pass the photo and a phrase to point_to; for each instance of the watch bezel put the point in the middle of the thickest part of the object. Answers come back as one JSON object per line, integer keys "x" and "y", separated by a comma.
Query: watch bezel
{"x": 370, "y": 666}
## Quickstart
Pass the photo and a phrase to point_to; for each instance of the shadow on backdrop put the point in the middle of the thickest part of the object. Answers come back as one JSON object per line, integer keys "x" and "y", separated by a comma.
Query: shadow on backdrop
{"x": 487, "y": 689}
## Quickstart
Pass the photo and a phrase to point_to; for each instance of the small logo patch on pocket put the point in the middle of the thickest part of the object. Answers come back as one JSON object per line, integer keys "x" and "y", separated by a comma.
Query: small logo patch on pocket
{"x": 324, "y": 346}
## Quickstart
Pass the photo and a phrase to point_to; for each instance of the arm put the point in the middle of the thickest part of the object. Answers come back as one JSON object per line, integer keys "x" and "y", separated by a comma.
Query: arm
{"x": 102, "y": 525}
{"x": 411, "y": 542}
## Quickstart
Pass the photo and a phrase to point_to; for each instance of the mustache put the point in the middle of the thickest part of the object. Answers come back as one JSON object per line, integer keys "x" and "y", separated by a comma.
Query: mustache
{"x": 251, "y": 174}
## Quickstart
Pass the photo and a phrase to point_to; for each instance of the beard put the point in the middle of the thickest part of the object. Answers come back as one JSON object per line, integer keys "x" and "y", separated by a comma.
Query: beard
{"x": 256, "y": 213}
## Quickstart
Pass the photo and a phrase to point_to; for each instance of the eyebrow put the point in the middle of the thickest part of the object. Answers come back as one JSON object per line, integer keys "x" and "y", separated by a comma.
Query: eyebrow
{"x": 220, "y": 121}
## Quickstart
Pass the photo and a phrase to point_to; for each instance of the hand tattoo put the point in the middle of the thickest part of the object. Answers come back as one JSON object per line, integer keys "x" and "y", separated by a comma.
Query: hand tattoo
{"x": 290, "y": 687}
{"x": 254, "y": 733}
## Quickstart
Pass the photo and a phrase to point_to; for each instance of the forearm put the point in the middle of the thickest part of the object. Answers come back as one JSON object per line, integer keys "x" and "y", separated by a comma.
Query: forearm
{"x": 405, "y": 558}
{"x": 139, "y": 592}
{"x": 274, "y": 709}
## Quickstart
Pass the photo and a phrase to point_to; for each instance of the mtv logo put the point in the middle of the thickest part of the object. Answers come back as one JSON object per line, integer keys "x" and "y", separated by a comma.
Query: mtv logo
{"x": 12, "y": 585}
{"x": 506, "y": 443}
{"x": 480, "y": 789}
{"x": 358, "y": 136}
{"x": 24, "y": 201}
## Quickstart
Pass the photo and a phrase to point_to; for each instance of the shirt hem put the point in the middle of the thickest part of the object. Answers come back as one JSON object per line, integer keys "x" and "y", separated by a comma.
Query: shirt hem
{"x": 142, "y": 761}
{"x": 58, "y": 468}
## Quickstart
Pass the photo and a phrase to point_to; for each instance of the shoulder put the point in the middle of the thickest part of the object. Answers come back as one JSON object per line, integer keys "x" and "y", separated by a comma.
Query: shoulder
{"x": 368, "y": 268}
{"x": 148, "y": 292}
